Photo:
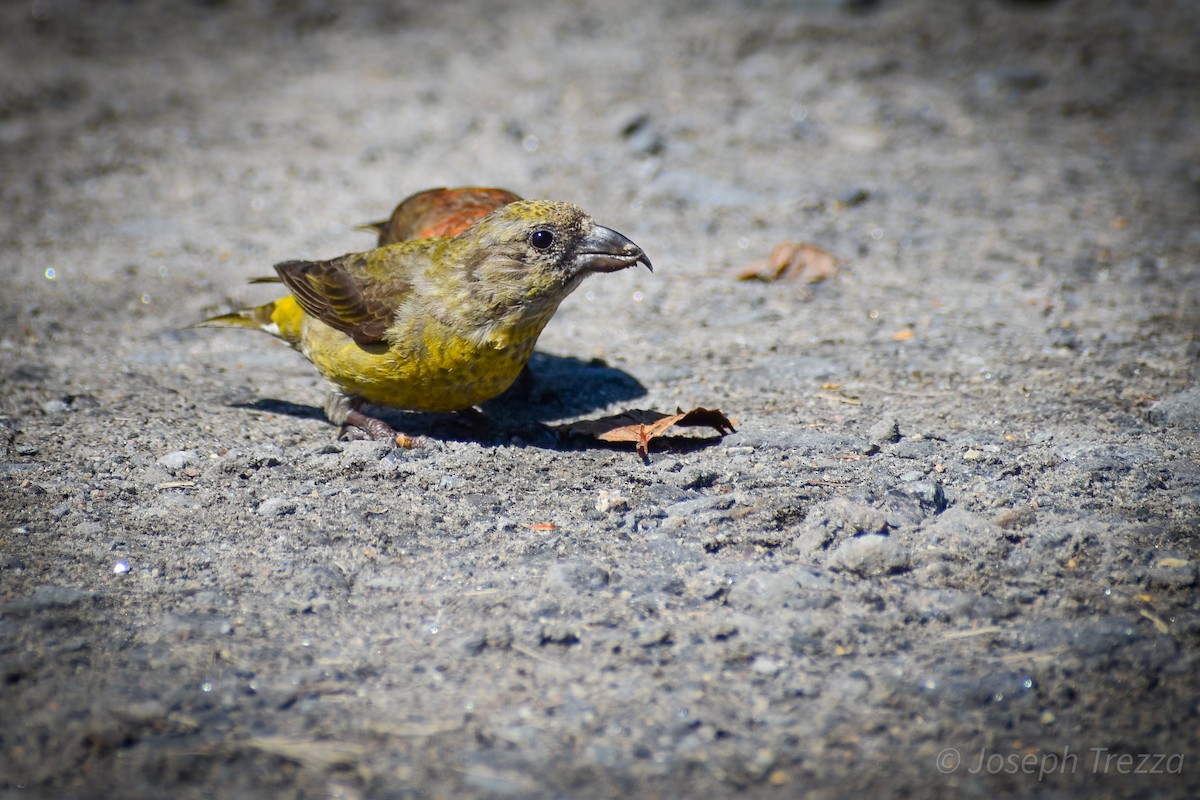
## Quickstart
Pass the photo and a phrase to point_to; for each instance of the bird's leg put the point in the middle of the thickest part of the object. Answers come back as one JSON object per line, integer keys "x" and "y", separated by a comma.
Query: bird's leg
{"x": 344, "y": 412}
{"x": 359, "y": 426}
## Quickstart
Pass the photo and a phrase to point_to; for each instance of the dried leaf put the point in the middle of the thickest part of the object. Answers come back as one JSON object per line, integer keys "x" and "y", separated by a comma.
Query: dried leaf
{"x": 795, "y": 261}
{"x": 640, "y": 426}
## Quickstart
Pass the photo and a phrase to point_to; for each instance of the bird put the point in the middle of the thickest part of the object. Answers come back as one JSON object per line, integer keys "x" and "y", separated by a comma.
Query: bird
{"x": 439, "y": 212}
{"x": 442, "y": 323}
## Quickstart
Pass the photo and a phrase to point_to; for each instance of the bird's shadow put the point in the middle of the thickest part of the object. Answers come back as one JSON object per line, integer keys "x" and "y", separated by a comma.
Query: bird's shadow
{"x": 552, "y": 388}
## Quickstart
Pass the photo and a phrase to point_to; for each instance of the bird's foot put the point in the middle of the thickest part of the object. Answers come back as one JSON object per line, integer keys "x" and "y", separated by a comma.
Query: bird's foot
{"x": 359, "y": 426}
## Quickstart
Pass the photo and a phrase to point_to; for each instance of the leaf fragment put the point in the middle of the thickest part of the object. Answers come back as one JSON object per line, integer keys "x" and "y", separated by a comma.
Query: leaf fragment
{"x": 793, "y": 261}
{"x": 640, "y": 426}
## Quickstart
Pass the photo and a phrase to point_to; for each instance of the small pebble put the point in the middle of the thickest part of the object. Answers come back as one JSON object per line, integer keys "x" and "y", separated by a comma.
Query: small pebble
{"x": 885, "y": 431}
{"x": 765, "y": 666}
{"x": 853, "y": 197}
{"x": 870, "y": 555}
{"x": 276, "y": 507}
{"x": 1180, "y": 410}
{"x": 178, "y": 459}
{"x": 641, "y": 136}
{"x": 611, "y": 501}
{"x": 53, "y": 407}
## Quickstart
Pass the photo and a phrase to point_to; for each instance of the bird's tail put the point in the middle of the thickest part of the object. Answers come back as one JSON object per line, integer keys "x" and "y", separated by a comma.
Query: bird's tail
{"x": 280, "y": 318}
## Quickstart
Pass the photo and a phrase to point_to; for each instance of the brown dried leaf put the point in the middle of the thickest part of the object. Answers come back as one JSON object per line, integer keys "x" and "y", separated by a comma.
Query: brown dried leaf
{"x": 794, "y": 261}
{"x": 640, "y": 426}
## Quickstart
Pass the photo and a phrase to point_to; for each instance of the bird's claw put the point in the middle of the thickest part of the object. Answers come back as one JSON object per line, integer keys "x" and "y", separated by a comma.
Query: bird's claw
{"x": 359, "y": 426}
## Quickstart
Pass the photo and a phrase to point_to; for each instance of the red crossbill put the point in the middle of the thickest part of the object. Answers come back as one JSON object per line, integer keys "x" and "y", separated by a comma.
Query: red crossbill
{"x": 436, "y": 324}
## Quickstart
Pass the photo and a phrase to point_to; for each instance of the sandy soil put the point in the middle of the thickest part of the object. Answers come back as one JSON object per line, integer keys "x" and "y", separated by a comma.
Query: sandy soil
{"x": 951, "y": 550}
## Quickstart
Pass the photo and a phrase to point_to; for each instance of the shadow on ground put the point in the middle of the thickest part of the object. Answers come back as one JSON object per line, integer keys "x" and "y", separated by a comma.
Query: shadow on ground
{"x": 552, "y": 388}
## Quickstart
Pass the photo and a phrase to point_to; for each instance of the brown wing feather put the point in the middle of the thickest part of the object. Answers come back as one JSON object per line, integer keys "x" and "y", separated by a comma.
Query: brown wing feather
{"x": 332, "y": 291}
{"x": 440, "y": 212}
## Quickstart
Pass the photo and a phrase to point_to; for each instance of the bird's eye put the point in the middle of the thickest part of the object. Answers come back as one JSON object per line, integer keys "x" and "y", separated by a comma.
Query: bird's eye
{"x": 542, "y": 239}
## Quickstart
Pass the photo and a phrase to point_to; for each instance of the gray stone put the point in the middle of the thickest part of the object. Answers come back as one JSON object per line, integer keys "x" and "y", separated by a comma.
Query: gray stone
{"x": 1180, "y": 410}
{"x": 276, "y": 507}
{"x": 178, "y": 459}
{"x": 870, "y": 555}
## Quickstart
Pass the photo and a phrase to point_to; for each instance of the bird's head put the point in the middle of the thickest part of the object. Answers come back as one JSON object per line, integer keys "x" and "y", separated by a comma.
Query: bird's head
{"x": 515, "y": 266}
{"x": 547, "y": 247}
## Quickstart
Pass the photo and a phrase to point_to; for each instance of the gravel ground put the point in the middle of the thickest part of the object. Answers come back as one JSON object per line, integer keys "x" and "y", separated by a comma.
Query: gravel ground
{"x": 950, "y": 551}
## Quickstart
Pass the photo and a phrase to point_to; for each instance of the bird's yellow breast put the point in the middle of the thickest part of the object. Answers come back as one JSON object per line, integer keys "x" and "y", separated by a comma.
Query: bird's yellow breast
{"x": 422, "y": 368}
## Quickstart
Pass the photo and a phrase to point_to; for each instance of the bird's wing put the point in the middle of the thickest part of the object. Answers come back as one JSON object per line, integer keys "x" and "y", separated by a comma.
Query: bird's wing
{"x": 440, "y": 212}
{"x": 342, "y": 294}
